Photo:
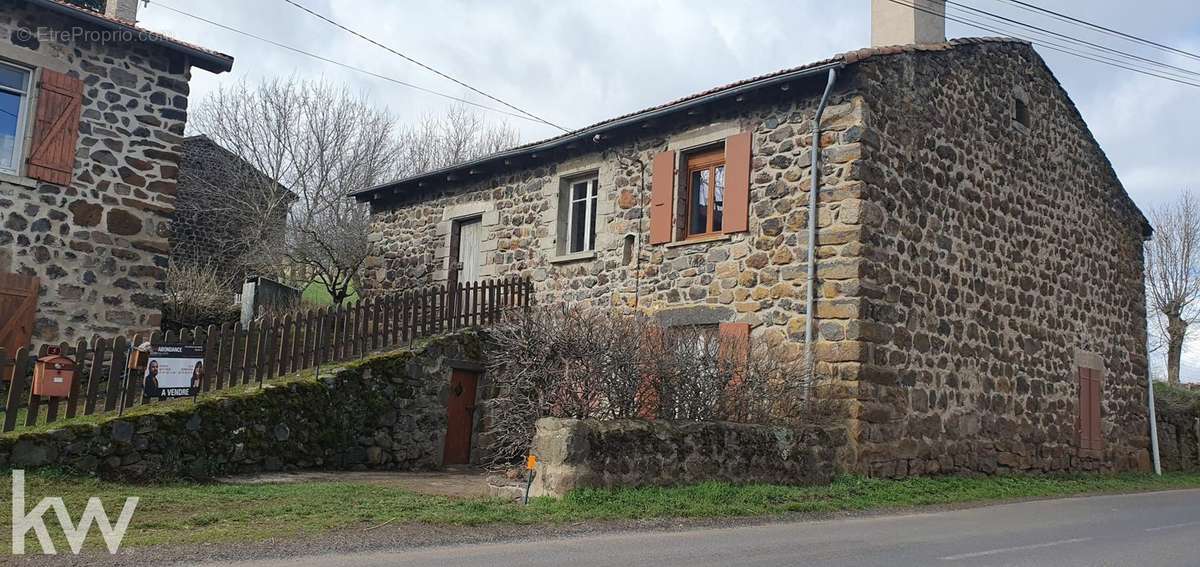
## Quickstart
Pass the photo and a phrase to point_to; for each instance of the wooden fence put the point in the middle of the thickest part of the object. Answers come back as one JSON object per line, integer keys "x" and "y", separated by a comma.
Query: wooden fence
{"x": 263, "y": 350}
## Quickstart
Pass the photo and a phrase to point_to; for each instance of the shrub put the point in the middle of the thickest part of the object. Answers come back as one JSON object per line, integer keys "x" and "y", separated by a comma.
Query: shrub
{"x": 577, "y": 363}
{"x": 196, "y": 296}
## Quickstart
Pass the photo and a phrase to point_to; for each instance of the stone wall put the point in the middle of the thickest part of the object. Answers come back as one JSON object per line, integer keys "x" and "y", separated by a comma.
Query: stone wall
{"x": 385, "y": 412}
{"x": 1006, "y": 256}
{"x": 629, "y": 453}
{"x": 99, "y": 246}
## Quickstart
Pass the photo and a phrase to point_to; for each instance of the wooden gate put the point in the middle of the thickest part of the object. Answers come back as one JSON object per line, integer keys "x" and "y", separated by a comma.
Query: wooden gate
{"x": 18, "y": 309}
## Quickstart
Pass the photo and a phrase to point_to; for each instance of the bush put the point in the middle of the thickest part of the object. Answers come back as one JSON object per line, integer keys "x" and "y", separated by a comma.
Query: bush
{"x": 575, "y": 363}
{"x": 196, "y": 297}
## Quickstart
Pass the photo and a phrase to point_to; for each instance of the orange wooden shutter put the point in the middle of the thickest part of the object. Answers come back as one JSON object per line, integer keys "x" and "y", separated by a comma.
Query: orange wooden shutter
{"x": 56, "y": 128}
{"x": 1085, "y": 409}
{"x": 1094, "y": 425}
{"x": 734, "y": 345}
{"x": 18, "y": 310}
{"x": 662, "y": 195}
{"x": 737, "y": 183}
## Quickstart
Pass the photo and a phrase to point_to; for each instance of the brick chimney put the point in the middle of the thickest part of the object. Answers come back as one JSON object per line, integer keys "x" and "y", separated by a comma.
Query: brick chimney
{"x": 122, "y": 9}
{"x": 903, "y": 22}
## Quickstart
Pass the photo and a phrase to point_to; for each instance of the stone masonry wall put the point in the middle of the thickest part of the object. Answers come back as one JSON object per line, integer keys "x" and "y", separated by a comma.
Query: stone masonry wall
{"x": 592, "y": 453}
{"x": 757, "y": 277}
{"x": 1005, "y": 257}
{"x": 99, "y": 246}
{"x": 385, "y": 412}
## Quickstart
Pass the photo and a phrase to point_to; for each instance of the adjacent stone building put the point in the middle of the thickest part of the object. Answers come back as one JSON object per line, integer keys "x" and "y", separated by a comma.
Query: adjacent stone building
{"x": 978, "y": 293}
{"x": 225, "y": 207}
{"x": 93, "y": 117}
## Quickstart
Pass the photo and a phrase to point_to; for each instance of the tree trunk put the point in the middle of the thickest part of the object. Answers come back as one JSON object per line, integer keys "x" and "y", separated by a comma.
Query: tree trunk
{"x": 1176, "y": 332}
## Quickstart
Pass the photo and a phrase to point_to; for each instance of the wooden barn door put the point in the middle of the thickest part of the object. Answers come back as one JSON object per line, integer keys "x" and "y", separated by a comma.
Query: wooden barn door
{"x": 18, "y": 308}
{"x": 460, "y": 417}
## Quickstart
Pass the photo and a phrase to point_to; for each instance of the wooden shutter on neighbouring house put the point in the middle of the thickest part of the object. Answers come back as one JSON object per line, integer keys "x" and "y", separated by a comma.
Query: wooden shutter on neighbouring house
{"x": 737, "y": 183}
{"x": 56, "y": 128}
{"x": 662, "y": 195}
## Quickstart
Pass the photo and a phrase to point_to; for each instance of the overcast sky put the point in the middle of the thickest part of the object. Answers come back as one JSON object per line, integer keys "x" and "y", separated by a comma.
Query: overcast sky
{"x": 575, "y": 62}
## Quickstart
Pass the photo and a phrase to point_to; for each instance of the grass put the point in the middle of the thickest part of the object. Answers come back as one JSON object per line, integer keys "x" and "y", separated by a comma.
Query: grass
{"x": 315, "y": 293}
{"x": 184, "y": 513}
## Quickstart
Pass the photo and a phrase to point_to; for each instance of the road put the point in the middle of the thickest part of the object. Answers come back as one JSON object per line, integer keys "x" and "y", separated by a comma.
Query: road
{"x": 1160, "y": 528}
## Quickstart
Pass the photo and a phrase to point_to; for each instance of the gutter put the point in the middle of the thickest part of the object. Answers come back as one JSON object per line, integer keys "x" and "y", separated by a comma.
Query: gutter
{"x": 810, "y": 315}
{"x": 591, "y": 133}
{"x": 199, "y": 57}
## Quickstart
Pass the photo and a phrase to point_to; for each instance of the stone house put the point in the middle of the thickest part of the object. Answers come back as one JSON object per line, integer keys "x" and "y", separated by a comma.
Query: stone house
{"x": 977, "y": 293}
{"x": 224, "y": 204}
{"x": 94, "y": 109}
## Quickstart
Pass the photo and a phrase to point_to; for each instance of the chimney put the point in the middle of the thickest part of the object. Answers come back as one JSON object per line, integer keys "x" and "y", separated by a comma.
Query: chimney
{"x": 122, "y": 9}
{"x": 904, "y": 22}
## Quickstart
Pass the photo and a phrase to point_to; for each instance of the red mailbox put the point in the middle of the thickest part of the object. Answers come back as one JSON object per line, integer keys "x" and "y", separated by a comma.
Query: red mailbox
{"x": 53, "y": 374}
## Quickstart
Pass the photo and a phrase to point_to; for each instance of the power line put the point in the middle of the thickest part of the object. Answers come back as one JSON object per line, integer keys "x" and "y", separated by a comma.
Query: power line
{"x": 424, "y": 66}
{"x": 339, "y": 63}
{"x": 1071, "y": 38}
{"x": 1096, "y": 55}
{"x": 1052, "y": 46}
{"x": 1031, "y": 8}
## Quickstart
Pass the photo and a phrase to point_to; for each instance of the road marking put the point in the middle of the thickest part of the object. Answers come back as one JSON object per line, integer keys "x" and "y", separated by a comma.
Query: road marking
{"x": 1018, "y": 548}
{"x": 1172, "y": 526}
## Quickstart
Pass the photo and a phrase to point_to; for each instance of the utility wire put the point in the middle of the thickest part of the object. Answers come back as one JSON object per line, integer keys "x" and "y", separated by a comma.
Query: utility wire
{"x": 1093, "y": 55}
{"x": 1071, "y": 38}
{"x": 1051, "y": 46}
{"x": 424, "y": 66}
{"x": 1031, "y": 8}
{"x": 339, "y": 63}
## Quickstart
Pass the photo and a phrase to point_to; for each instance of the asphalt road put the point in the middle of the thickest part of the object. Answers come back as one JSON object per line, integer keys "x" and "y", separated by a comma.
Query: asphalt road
{"x": 1138, "y": 529}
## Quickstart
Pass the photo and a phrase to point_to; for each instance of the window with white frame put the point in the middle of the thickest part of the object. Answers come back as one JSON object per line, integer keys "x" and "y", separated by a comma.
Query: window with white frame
{"x": 14, "y": 95}
{"x": 579, "y": 206}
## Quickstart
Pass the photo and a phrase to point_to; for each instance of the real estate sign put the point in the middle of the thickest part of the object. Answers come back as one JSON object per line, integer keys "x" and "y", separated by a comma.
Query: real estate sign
{"x": 174, "y": 371}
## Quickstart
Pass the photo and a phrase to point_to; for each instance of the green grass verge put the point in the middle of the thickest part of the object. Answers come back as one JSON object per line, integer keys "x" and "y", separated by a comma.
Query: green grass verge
{"x": 315, "y": 293}
{"x": 183, "y": 513}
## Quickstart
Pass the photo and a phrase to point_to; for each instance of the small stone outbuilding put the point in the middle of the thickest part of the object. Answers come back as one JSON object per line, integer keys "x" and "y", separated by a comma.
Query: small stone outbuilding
{"x": 979, "y": 292}
{"x": 94, "y": 114}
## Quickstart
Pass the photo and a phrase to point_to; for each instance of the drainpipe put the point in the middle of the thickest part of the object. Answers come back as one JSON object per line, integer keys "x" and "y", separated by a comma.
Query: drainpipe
{"x": 1153, "y": 417}
{"x": 815, "y": 173}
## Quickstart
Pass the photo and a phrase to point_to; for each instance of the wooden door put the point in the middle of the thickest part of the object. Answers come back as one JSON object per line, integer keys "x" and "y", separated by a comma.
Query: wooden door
{"x": 470, "y": 234}
{"x": 18, "y": 309}
{"x": 460, "y": 417}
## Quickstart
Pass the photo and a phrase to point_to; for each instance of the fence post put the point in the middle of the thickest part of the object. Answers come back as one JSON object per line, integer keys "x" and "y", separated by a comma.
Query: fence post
{"x": 16, "y": 387}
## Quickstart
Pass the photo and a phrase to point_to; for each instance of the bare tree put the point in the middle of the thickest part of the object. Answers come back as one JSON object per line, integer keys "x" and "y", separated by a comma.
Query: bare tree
{"x": 323, "y": 142}
{"x": 1173, "y": 273}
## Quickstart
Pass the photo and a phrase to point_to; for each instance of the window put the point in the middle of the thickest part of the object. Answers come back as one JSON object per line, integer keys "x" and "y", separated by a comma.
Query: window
{"x": 1020, "y": 111}
{"x": 705, "y": 195}
{"x": 580, "y": 209}
{"x": 14, "y": 92}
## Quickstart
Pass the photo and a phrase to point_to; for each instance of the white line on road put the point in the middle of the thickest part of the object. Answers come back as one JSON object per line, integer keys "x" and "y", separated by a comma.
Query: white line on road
{"x": 1018, "y": 548}
{"x": 1172, "y": 526}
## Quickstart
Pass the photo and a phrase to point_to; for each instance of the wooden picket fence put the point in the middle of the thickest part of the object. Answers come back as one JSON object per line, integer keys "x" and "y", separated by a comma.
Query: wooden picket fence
{"x": 236, "y": 356}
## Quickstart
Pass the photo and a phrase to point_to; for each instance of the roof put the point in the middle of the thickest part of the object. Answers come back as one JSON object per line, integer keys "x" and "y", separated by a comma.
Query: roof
{"x": 195, "y": 139}
{"x": 678, "y": 105}
{"x": 207, "y": 59}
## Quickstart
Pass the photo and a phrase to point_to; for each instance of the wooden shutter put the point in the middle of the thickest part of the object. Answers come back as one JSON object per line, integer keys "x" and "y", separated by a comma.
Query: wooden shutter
{"x": 737, "y": 183}
{"x": 662, "y": 195}
{"x": 56, "y": 128}
{"x": 1091, "y": 391}
{"x": 18, "y": 310}
{"x": 734, "y": 346}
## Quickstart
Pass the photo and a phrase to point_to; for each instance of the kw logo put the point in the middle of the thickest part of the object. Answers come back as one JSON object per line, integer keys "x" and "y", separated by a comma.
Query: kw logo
{"x": 76, "y": 534}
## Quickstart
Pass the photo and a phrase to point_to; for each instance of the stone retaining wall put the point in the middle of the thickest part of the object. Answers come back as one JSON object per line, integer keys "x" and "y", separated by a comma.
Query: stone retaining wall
{"x": 628, "y": 453}
{"x": 386, "y": 412}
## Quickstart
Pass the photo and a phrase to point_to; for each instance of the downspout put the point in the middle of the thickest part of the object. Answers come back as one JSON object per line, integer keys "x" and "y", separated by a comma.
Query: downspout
{"x": 815, "y": 173}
